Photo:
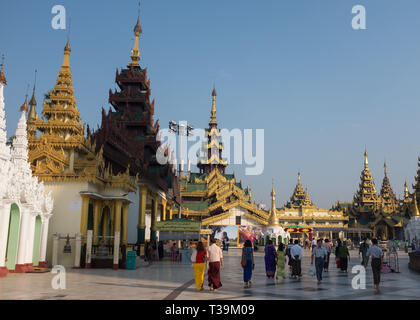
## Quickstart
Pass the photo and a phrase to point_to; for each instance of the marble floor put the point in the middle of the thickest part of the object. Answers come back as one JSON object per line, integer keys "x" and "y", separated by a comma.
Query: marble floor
{"x": 173, "y": 281}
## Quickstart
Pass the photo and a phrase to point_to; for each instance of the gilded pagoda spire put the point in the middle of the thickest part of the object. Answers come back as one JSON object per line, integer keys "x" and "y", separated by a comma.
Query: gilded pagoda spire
{"x": 273, "y": 219}
{"x": 366, "y": 197}
{"x": 214, "y": 146}
{"x": 300, "y": 197}
{"x": 32, "y": 103}
{"x": 67, "y": 53}
{"x": 135, "y": 53}
{"x": 389, "y": 200}
{"x": 406, "y": 193}
{"x": 366, "y": 160}
{"x": 416, "y": 212}
{"x": 213, "y": 121}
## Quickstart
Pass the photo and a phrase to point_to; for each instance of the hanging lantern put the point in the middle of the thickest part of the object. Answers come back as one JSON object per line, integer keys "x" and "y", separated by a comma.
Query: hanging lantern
{"x": 67, "y": 246}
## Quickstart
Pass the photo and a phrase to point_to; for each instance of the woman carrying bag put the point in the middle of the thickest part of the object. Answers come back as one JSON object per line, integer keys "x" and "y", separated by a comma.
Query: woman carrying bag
{"x": 247, "y": 262}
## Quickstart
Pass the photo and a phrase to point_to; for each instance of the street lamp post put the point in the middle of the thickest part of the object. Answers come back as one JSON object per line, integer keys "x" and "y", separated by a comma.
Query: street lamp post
{"x": 180, "y": 129}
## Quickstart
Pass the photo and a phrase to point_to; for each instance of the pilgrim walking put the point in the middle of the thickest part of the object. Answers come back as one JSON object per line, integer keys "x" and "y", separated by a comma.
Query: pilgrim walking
{"x": 377, "y": 257}
{"x": 247, "y": 262}
{"x": 198, "y": 258}
{"x": 270, "y": 259}
{"x": 321, "y": 255}
{"x": 281, "y": 261}
{"x": 214, "y": 265}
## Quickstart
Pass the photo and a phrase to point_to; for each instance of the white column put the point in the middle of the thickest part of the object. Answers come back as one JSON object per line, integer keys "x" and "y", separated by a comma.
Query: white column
{"x": 56, "y": 240}
{"x": 30, "y": 239}
{"x": 116, "y": 250}
{"x": 44, "y": 240}
{"x": 77, "y": 252}
{"x": 4, "y": 233}
{"x": 23, "y": 236}
{"x": 89, "y": 248}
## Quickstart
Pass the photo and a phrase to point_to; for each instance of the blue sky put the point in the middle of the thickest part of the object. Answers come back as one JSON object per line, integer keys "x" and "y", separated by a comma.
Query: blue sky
{"x": 320, "y": 90}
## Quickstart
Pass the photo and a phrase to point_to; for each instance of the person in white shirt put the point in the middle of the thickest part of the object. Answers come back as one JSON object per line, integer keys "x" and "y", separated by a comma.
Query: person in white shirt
{"x": 313, "y": 244}
{"x": 320, "y": 254}
{"x": 296, "y": 255}
{"x": 214, "y": 265}
{"x": 377, "y": 257}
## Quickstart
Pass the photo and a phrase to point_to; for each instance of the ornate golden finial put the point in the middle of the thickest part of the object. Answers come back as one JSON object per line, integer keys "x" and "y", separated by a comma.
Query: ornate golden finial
{"x": 24, "y": 106}
{"x": 67, "y": 53}
{"x": 2, "y": 77}
{"x": 273, "y": 193}
{"x": 406, "y": 193}
{"x": 416, "y": 212}
{"x": 385, "y": 169}
{"x": 135, "y": 53}
{"x": 366, "y": 159}
{"x": 213, "y": 107}
{"x": 32, "y": 102}
{"x": 299, "y": 178}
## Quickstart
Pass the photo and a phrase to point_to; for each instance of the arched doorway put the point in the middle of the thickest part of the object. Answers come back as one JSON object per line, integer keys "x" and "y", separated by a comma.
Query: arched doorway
{"x": 13, "y": 237}
{"x": 37, "y": 241}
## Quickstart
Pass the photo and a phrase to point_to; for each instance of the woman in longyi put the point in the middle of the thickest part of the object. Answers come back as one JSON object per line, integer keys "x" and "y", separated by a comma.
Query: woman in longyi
{"x": 199, "y": 259}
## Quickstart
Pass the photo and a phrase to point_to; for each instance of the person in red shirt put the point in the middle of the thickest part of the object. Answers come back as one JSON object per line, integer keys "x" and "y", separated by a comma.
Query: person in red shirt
{"x": 199, "y": 258}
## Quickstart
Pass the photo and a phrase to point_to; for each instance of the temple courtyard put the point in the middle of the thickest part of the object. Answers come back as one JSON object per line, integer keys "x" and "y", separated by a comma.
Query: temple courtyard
{"x": 173, "y": 281}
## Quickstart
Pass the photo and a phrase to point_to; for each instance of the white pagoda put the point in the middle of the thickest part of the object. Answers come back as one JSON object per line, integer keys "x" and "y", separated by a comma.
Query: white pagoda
{"x": 25, "y": 209}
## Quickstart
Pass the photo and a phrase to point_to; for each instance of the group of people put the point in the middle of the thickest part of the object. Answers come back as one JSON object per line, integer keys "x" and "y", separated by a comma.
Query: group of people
{"x": 276, "y": 258}
{"x": 213, "y": 259}
{"x": 154, "y": 251}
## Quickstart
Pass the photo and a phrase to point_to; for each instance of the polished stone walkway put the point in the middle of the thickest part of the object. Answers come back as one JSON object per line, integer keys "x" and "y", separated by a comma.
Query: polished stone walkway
{"x": 166, "y": 280}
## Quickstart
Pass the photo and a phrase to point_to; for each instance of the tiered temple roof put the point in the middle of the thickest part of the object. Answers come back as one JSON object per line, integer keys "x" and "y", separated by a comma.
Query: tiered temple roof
{"x": 389, "y": 201}
{"x": 366, "y": 198}
{"x": 58, "y": 149}
{"x": 300, "y": 197}
{"x": 210, "y": 195}
{"x": 128, "y": 133}
{"x": 214, "y": 146}
{"x": 382, "y": 213}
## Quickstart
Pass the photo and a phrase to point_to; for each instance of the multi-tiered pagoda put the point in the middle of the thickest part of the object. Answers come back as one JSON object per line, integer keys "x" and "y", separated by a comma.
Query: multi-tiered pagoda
{"x": 304, "y": 219}
{"x": 382, "y": 213}
{"x": 129, "y": 138}
{"x": 214, "y": 147}
{"x": 88, "y": 193}
{"x": 214, "y": 197}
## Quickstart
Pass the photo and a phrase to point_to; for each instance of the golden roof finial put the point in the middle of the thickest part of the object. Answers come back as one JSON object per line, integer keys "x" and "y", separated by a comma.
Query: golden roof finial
{"x": 32, "y": 102}
{"x": 213, "y": 108}
{"x": 273, "y": 193}
{"x": 24, "y": 106}
{"x": 2, "y": 77}
{"x": 366, "y": 159}
{"x": 67, "y": 53}
{"x": 385, "y": 169}
{"x": 299, "y": 178}
{"x": 416, "y": 208}
{"x": 135, "y": 53}
{"x": 406, "y": 193}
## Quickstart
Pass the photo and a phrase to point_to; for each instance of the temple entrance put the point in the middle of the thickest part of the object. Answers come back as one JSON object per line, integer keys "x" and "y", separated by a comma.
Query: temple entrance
{"x": 382, "y": 232}
{"x": 37, "y": 241}
{"x": 13, "y": 237}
